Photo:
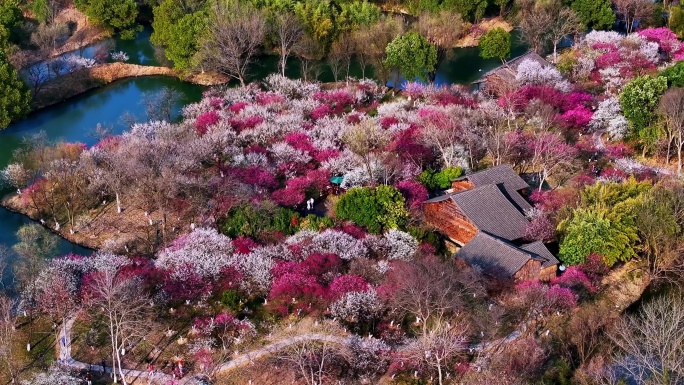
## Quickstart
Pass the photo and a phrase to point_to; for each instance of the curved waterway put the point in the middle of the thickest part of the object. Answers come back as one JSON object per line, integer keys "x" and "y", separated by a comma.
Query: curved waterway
{"x": 75, "y": 121}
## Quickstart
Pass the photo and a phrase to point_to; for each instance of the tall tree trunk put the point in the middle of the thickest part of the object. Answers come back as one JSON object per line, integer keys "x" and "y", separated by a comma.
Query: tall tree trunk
{"x": 283, "y": 61}
{"x": 113, "y": 338}
{"x": 680, "y": 144}
{"x": 555, "y": 52}
{"x": 439, "y": 372}
{"x": 118, "y": 203}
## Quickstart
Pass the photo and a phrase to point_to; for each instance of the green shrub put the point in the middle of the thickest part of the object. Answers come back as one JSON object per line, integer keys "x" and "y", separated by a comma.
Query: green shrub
{"x": 253, "y": 220}
{"x": 674, "y": 75}
{"x": 375, "y": 209}
{"x": 559, "y": 373}
{"x": 314, "y": 222}
{"x": 424, "y": 235}
{"x": 433, "y": 180}
{"x": 231, "y": 300}
{"x": 677, "y": 21}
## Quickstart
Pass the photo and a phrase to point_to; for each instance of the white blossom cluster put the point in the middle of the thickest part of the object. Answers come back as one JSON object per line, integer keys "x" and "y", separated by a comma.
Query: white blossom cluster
{"x": 201, "y": 344}
{"x": 283, "y": 152}
{"x": 276, "y": 251}
{"x": 119, "y": 56}
{"x": 329, "y": 241}
{"x": 356, "y": 305}
{"x": 609, "y": 116}
{"x": 54, "y": 376}
{"x": 372, "y": 90}
{"x": 360, "y": 345}
{"x": 531, "y": 72}
{"x": 632, "y": 166}
{"x": 301, "y": 237}
{"x": 328, "y": 132}
{"x": 342, "y": 164}
{"x": 339, "y": 243}
{"x": 401, "y": 245}
{"x": 193, "y": 110}
{"x": 75, "y": 62}
{"x": 291, "y": 88}
{"x": 62, "y": 273}
{"x": 255, "y": 268}
{"x": 250, "y": 159}
{"x": 382, "y": 267}
{"x": 15, "y": 174}
{"x": 204, "y": 252}
{"x": 105, "y": 261}
{"x": 602, "y": 37}
{"x": 357, "y": 177}
{"x": 399, "y": 109}
{"x": 613, "y": 79}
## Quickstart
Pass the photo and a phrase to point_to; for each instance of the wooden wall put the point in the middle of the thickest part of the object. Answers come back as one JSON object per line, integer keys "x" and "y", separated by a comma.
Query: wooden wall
{"x": 447, "y": 217}
{"x": 547, "y": 274}
{"x": 529, "y": 271}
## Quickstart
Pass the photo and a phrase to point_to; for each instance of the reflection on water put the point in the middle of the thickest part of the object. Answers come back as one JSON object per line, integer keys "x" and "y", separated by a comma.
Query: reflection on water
{"x": 76, "y": 120}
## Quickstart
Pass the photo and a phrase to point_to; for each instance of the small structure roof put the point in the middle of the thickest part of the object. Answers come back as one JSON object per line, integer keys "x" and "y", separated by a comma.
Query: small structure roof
{"x": 502, "y": 175}
{"x": 490, "y": 210}
{"x": 495, "y": 175}
{"x": 510, "y": 69}
{"x": 541, "y": 253}
{"x": 493, "y": 255}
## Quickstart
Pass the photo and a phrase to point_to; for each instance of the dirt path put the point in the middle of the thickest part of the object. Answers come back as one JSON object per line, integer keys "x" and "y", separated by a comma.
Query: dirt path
{"x": 247, "y": 358}
{"x": 144, "y": 377}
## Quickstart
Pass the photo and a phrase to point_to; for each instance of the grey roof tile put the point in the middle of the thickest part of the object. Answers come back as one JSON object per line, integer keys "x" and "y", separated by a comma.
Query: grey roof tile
{"x": 489, "y": 210}
{"x": 503, "y": 175}
{"x": 494, "y": 256}
{"x": 541, "y": 253}
{"x": 495, "y": 175}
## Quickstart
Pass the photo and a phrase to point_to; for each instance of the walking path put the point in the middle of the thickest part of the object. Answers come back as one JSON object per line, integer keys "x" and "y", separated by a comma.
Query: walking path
{"x": 237, "y": 362}
{"x": 64, "y": 349}
{"x": 254, "y": 355}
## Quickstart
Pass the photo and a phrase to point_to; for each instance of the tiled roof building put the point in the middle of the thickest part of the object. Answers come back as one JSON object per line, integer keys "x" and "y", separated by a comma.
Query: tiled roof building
{"x": 485, "y": 215}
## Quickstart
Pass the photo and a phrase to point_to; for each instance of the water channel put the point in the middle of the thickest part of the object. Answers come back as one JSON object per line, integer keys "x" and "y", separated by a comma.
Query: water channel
{"x": 76, "y": 119}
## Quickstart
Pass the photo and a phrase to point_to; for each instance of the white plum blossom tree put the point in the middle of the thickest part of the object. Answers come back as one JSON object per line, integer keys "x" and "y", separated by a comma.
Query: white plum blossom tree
{"x": 531, "y": 72}
{"x": 16, "y": 175}
{"x": 602, "y": 37}
{"x": 609, "y": 116}
{"x": 402, "y": 245}
{"x": 255, "y": 268}
{"x": 339, "y": 243}
{"x": 119, "y": 56}
{"x": 357, "y": 306}
{"x": 204, "y": 252}
{"x": 292, "y": 88}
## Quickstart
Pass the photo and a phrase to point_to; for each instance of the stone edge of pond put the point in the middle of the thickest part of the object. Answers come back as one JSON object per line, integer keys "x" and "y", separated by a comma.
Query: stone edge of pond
{"x": 11, "y": 203}
{"x": 76, "y": 83}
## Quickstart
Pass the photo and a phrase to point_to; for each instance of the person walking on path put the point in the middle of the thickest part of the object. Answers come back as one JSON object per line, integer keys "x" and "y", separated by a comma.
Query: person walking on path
{"x": 103, "y": 366}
